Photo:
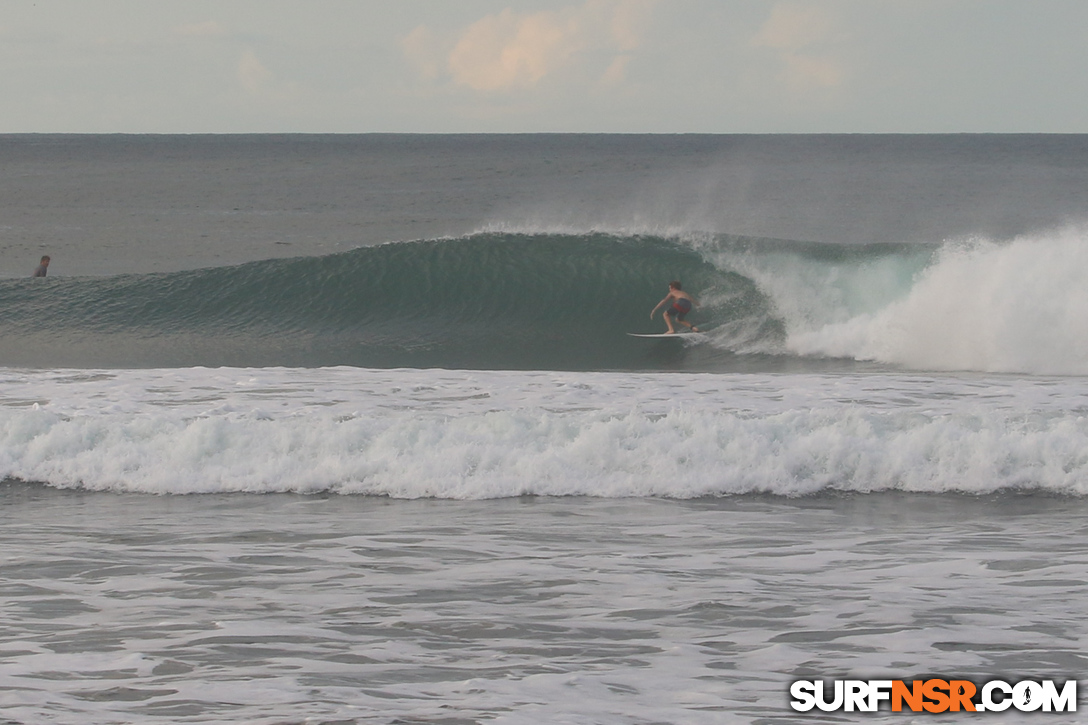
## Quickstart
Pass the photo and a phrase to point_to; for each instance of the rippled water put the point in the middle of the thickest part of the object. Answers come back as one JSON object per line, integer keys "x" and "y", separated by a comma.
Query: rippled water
{"x": 280, "y": 608}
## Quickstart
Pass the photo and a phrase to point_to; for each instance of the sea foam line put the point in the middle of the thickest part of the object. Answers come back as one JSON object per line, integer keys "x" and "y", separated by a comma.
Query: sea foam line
{"x": 472, "y": 435}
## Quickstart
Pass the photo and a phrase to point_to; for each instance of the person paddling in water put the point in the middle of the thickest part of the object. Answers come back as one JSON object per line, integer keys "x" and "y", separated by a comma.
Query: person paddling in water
{"x": 682, "y": 303}
{"x": 42, "y": 267}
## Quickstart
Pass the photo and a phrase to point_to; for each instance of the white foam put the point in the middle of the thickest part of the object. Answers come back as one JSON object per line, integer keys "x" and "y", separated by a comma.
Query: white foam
{"x": 1020, "y": 306}
{"x": 473, "y": 435}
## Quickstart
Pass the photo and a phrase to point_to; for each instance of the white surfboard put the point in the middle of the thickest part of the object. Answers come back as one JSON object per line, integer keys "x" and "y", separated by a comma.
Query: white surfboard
{"x": 668, "y": 334}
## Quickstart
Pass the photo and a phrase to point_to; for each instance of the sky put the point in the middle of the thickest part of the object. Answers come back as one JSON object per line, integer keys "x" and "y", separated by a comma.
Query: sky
{"x": 514, "y": 66}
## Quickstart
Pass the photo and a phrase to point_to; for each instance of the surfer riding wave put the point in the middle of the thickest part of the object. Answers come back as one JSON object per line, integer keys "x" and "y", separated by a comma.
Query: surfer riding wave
{"x": 682, "y": 303}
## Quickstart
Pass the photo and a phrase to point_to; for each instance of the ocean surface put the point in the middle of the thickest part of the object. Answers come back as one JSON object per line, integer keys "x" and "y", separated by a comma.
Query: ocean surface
{"x": 349, "y": 429}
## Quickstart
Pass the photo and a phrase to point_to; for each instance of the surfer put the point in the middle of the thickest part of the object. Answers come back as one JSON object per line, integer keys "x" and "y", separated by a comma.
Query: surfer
{"x": 40, "y": 270}
{"x": 682, "y": 303}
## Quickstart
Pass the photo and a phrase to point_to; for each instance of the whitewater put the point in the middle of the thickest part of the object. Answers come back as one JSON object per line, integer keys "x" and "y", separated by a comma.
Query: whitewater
{"x": 980, "y": 305}
{"x": 477, "y": 435}
{"x": 346, "y": 429}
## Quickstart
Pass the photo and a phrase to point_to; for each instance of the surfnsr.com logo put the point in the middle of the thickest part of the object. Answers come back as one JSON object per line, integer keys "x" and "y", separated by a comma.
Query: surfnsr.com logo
{"x": 934, "y": 695}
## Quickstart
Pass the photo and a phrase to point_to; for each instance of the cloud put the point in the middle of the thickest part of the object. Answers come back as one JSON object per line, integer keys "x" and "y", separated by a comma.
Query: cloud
{"x": 801, "y": 35}
{"x": 630, "y": 21}
{"x": 507, "y": 51}
{"x": 802, "y": 71}
{"x": 207, "y": 29}
{"x": 617, "y": 71}
{"x": 510, "y": 51}
{"x": 792, "y": 27}
{"x": 262, "y": 84}
{"x": 252, "y": 74}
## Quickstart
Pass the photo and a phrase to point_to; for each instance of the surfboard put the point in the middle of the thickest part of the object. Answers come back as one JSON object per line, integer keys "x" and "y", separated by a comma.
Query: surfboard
{"x": 667, "y": 334}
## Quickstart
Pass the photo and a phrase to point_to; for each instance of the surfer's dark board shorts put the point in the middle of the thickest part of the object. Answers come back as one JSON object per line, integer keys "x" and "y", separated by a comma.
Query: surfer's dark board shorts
{"x": 679, "y": 309}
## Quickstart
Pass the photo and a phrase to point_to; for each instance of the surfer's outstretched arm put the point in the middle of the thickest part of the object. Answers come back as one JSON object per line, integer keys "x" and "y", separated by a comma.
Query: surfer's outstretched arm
{"x": 655, "y": 309}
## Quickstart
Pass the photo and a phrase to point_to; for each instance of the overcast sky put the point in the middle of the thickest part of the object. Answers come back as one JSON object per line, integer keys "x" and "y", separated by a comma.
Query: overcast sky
{"x": 661, "y": 66}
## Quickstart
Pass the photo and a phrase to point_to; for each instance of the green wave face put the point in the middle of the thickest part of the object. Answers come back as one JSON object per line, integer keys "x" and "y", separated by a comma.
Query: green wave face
{"x": 488, "y": 301}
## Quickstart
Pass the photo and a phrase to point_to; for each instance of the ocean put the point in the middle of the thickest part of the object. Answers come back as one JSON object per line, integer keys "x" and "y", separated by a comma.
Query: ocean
{"x": 349, "y": 429}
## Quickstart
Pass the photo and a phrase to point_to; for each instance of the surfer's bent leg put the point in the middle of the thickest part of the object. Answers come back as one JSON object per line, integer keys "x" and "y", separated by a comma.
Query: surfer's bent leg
{"x": 668, "y": 319}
